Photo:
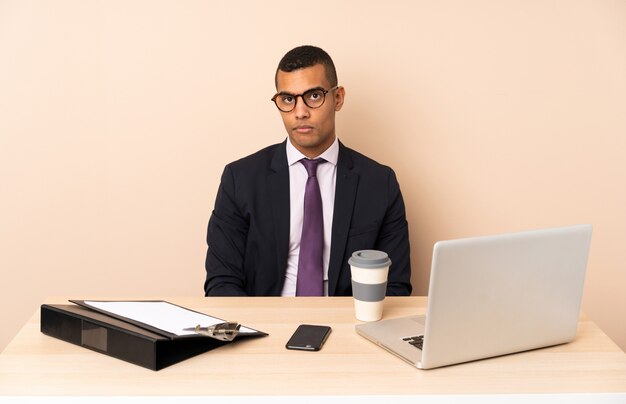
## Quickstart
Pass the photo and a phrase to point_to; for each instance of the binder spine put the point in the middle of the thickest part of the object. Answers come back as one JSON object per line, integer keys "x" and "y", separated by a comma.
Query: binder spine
{"x": 99, "y": 337}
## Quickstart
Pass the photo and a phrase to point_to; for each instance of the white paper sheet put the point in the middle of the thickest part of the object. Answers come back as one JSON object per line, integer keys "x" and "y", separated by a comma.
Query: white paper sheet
{"x": 162, "y": 315}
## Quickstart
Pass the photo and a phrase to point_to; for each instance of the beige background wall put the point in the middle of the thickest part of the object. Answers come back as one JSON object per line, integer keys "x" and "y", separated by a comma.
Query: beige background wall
{"x": 117, "y": 117}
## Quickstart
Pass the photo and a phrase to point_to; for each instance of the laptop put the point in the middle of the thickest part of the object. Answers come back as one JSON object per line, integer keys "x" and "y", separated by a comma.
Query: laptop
{"x": 492, "y": 296}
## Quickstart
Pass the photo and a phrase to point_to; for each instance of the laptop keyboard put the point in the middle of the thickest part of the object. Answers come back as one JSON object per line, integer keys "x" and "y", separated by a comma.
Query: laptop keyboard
{"x": 417, "y": 341}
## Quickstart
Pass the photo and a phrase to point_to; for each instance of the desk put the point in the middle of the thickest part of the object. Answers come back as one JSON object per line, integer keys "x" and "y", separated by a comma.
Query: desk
{"x": 35, "y": 364}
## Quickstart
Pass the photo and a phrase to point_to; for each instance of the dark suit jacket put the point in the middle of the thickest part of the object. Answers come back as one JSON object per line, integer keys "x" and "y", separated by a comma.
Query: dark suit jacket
{"x": 248, "y": 234}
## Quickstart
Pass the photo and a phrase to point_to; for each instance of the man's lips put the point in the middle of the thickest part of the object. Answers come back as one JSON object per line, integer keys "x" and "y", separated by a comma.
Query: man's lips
{"x": 303, "y": 129}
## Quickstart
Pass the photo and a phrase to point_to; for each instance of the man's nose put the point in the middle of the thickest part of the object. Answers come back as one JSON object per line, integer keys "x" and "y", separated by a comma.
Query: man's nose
{"x": 301, "y": 110}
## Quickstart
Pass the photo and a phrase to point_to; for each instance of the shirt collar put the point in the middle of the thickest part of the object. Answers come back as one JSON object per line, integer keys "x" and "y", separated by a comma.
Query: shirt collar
{"x": 331, "y": 154}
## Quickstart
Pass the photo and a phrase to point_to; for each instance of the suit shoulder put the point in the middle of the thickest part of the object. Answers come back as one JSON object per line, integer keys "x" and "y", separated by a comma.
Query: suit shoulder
{"x": 257, "y": 160}
{"x": 363, "y": 162}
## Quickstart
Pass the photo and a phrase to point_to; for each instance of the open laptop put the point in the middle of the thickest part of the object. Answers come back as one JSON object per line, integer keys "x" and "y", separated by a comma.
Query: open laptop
{"x": 492, "y": 296}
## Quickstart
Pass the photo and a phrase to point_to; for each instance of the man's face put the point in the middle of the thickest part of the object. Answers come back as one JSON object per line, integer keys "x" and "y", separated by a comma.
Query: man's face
{"x": 310, "y": 130}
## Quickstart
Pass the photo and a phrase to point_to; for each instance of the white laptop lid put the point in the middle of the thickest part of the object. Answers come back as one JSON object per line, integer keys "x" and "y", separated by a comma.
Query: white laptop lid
{"x": 495, "y": 295}
{"x": 505, "y": 293}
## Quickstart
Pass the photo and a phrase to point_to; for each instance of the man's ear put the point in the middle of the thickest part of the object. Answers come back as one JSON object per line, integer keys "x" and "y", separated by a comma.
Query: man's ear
{"x": 340, "y": 96}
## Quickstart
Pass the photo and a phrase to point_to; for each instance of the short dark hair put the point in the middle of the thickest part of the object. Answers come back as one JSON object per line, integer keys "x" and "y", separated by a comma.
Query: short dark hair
{"x": 307, "y": 56}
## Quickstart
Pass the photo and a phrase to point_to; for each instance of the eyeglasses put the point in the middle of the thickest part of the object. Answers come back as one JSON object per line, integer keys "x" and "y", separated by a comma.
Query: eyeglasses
{"x": 313, "y": 98}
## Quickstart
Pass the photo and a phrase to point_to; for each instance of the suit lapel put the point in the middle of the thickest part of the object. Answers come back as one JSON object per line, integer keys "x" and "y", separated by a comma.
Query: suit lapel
{"x": 345, "y": 194}
{"x": 278, "y": 181}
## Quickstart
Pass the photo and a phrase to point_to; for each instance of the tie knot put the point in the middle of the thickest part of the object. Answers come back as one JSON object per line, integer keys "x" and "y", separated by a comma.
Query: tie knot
{"x": 311, "y": 166}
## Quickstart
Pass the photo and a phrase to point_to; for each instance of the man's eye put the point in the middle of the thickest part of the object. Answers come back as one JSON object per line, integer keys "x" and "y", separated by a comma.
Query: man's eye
{"x": 315, "y": 95}
{"x": 287, "y": 99}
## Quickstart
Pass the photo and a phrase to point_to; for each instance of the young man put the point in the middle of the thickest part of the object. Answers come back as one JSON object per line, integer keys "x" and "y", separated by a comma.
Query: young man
{"x": 288, "y": 218}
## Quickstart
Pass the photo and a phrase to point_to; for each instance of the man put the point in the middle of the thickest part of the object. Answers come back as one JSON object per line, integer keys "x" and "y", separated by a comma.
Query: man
{"x": 288, "y": 218}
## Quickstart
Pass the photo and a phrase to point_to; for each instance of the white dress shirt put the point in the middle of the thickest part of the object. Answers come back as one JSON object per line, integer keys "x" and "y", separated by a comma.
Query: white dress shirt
{"x": 327, "y": 178}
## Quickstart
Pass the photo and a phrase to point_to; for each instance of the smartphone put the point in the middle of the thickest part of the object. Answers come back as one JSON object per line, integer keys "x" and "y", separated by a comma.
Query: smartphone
{"x": 309, "y": 337}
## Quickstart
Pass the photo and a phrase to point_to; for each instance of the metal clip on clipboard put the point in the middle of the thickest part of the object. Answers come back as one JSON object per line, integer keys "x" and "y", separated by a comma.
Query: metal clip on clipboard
{"x": 223, "y": 331}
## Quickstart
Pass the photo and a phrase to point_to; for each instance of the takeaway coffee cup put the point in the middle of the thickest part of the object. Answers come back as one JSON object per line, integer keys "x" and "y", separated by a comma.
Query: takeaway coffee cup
{"x": 369, "y": 283}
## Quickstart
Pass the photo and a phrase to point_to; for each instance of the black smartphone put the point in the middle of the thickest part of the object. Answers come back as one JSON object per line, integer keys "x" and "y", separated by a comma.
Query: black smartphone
{"x": 308, "y": 337}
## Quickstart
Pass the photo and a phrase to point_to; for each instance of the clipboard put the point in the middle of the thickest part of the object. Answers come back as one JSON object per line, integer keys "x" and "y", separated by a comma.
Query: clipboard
{"x": 153, "y": 314}
{"x": 126, "y": 338}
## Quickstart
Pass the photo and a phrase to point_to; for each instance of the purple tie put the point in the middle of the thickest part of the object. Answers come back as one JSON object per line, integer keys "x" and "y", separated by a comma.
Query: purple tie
{"x": 310, "y": 264}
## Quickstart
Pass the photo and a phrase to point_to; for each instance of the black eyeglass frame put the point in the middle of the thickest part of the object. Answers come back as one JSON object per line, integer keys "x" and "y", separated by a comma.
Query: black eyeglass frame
{"x": 295, "y": 96}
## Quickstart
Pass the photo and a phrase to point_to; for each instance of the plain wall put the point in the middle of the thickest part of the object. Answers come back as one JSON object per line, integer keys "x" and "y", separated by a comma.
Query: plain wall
{"x": 117, "y": 118}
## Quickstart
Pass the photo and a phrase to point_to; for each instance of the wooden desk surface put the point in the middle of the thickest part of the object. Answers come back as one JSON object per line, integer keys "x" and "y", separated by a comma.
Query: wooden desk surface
{"x": 35, "y": 364}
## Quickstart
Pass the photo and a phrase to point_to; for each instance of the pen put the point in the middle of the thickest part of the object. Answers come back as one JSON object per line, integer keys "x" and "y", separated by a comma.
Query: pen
{"x": 223, "y": 331}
